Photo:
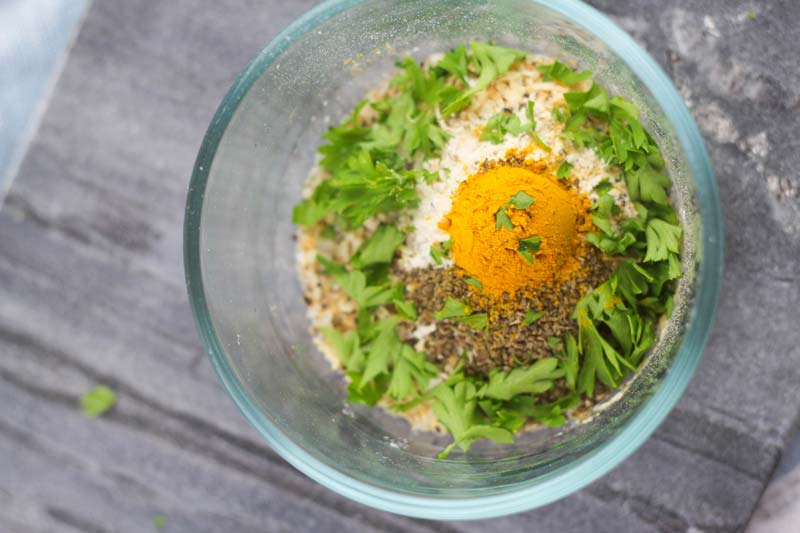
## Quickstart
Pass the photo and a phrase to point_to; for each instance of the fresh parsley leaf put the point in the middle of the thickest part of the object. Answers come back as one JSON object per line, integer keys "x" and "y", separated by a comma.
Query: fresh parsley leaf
{"x": 308, "y": 212}
{"x": 347, "y": 347}
{"x": 367, "y": 393}
{"x": 597, "y": 101}
{"x": 476, "y": 321}
{"x": 603, "y": 187}
{"x": 521, "y": 200}
{"x": 508, "y": 122}
{"x": 662, "y": 238}
{"x": 502, "y": 220}
{"x": 98, "y": 401}
{"x": 530, "y": 115}
{"x": 328, "y": 232}
{"x": 532, "y": 316}
{"x": 411, "y": 372}
{"x": 454, "y": 63}
{"x": 554, "y": 343}
{"x": 359, "y": 190}
{"x": 159, "y": 521}
{"x": 564, "y": 170}
{"x": 646, "y": 184}
{"x": 379, "y": 248}
{"x": 541, "y": 143}
{"x": 440, "y": 250}
{"x": 507, "y": 419}
{"x": 529, "y": 246}
{"x": 355, "y": 285}
{"x": 453, "y": 308}
{"x": 549, "y": 414}
{"x": 601, "y": 359}
{"x": 535, "y": 379}
{"x": 560, "y": 72}
{"x": 474, "y": 283}
{"x": 382, "y": 350}
{"x": 455, "y": 408}
{"x": 674, "y": 262}
{"x": 569, "y": 361}
{"x": 406, "y": 309}
{"x": 630, "y": 281}
{"x": 343, "y": 141}
{"x": 500, "y": 124}
{"x": 330, "y": 268}
{"x": 489, "y": 62}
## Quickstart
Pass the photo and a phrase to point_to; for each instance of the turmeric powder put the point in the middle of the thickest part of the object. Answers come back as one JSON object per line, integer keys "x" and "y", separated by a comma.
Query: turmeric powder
{"x": 491, "y": 254}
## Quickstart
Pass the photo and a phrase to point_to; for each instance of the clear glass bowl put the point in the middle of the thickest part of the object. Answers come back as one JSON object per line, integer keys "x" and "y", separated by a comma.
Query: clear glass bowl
{"x": 239, "y": 256}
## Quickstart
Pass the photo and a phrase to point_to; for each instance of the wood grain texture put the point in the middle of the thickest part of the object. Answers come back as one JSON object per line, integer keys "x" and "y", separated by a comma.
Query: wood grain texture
{"x": 92, "y": 291}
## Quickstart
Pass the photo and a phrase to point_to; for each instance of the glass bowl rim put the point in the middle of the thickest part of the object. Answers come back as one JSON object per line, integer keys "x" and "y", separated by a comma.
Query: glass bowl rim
{"x": 564, "y": 479}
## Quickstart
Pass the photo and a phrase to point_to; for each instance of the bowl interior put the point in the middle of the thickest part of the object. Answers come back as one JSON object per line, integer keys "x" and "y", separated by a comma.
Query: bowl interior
{"x": 241, "y": 252}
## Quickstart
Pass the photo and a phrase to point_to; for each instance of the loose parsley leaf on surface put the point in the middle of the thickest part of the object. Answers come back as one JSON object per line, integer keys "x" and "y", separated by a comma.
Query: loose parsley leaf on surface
{"x": 159, "y": 521}
{"x": 98, "y": 401}
{"x": 532, "y": 316}
{"x": 453, "y": 308}
{"x": 529, "y": 246}
{"x": 560, "y": 72}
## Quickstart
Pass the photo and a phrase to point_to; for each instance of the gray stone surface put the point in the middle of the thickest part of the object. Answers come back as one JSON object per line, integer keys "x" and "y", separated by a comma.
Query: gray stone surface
{"x": 92, "y": 291}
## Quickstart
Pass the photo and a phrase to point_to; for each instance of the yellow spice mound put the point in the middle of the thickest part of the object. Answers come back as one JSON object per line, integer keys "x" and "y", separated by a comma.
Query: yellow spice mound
{"x": 557, "y": 216}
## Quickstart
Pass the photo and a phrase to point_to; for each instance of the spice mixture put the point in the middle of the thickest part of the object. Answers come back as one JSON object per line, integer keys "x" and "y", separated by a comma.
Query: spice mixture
{"x": 487, "y": 243}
